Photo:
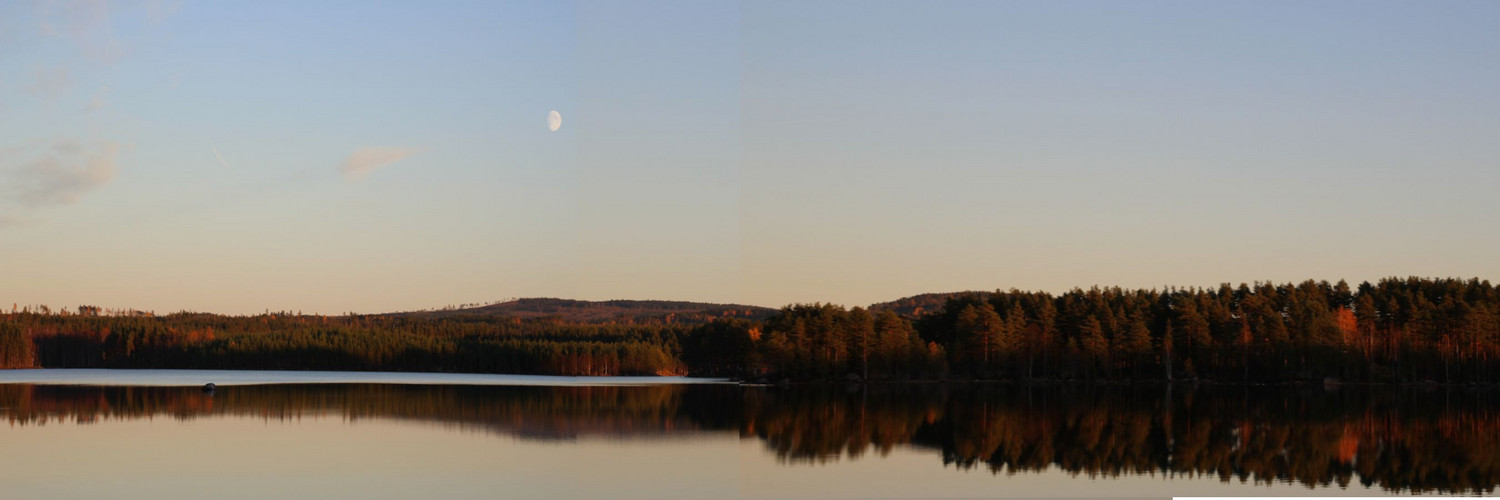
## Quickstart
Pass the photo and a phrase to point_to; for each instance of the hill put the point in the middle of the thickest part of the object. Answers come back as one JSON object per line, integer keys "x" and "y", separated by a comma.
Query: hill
{"x": 607, "y": 311}
{"x": 921, "y": 305}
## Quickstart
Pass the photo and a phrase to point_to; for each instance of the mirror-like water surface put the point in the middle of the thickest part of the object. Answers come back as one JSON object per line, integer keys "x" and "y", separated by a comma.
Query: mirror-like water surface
{"x": 390, "y": 440}
{"x": 196, "y": 378}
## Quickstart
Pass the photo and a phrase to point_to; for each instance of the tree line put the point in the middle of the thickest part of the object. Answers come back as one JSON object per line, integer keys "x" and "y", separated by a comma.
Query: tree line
{"x": 360, "y": 343}
{"x": 1394, "y": 330}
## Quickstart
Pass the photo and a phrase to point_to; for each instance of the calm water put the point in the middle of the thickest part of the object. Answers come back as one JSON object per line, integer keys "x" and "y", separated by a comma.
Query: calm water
{"x": 196, "y": 378}
{"x": 423, "y": 436}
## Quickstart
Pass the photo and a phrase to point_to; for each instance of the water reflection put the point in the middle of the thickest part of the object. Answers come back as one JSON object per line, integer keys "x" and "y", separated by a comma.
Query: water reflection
{"x": 1435, "y": 440}
{"x": 527, "y": 412}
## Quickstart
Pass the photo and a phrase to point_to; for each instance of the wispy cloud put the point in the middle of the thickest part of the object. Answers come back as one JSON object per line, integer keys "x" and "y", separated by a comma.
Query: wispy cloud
{"x": 73, "y": 17}
{"x": 219, "y": 156}
{"x": 158, "y": 11}
{"x": 50, "y": 83}
{"x": 59, "y": 173}
{"x": 367, "y": 159}
{"x": 101, "y": 97}
{"x": 7, "y": 220}
{"x": 86, "y": 23}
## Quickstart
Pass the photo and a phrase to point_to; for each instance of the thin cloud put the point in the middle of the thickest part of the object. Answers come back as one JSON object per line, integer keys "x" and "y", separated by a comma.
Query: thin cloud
{"x": 158, "y": 11}
{"x": 50, "y": 83}
{"x": 367, "y": 159}
{"x": 86, "y": 23}
{"x": 100, "y": 99}
{"x": 76, "y": 18}
{"x": 58, "y": 174}
{"x": 219, "y": 156}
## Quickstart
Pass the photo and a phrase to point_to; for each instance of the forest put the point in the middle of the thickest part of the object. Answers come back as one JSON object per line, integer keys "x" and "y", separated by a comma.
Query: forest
{"x": 1397, "y": 330}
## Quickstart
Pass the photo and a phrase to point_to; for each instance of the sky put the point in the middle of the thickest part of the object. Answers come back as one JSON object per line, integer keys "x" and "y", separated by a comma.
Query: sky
{"x": 368, "y": 157}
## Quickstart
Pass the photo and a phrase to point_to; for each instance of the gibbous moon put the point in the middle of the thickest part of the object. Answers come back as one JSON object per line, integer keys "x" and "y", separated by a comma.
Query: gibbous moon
{"x": 554, "y": 120}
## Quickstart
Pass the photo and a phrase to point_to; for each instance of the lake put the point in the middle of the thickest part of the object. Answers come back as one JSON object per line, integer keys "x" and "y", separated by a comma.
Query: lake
{"x": 155, "y": 434}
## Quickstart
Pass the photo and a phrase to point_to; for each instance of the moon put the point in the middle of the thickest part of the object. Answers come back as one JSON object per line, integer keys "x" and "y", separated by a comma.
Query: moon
{"x": 554, "y": 120}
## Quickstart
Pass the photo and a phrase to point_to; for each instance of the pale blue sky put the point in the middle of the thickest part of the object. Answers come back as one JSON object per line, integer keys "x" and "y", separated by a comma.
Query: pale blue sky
{"x": 381, "y": 156}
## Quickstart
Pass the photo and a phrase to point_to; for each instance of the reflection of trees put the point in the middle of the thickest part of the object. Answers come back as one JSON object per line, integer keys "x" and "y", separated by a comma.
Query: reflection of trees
{"x": 538, "y": 412}
{"x": 1439, "y": 440}
{"x": 1443, "y": 441}
{"x": 816, "y": 425}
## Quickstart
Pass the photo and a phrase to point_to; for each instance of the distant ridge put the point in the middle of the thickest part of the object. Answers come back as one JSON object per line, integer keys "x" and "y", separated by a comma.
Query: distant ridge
{"x": 606, "y": 311}
{"x": 921, "y": 305}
